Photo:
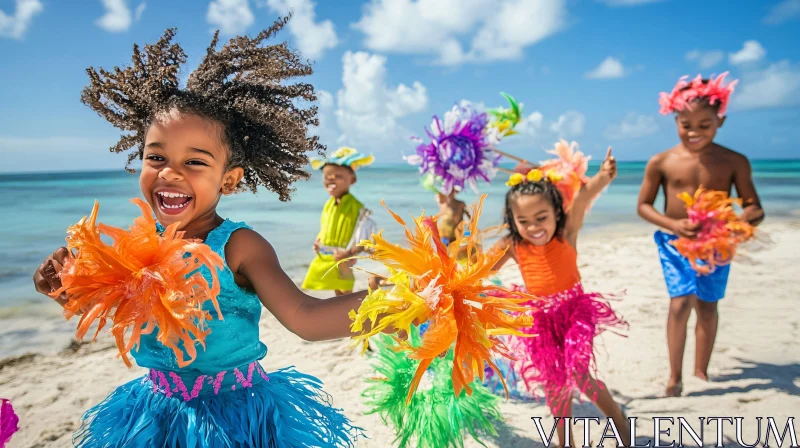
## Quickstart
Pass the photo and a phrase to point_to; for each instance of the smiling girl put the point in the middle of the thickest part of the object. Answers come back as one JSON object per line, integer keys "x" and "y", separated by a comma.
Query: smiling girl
{"x": 542, "y": 239}
{"x": 235, "y": 125}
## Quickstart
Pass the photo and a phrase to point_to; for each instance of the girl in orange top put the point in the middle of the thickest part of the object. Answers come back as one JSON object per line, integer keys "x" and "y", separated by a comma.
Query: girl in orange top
{"x": 542, "y": 239}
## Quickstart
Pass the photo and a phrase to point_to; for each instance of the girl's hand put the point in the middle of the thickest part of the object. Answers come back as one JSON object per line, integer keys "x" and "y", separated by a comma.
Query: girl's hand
{"x": 316, "y": 246}
{"x": 47, "y": 277}
{"x": 609, "y": 166}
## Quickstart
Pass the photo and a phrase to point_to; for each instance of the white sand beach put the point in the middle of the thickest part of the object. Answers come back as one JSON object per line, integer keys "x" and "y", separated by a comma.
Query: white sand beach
{"x": 755, "y": 368}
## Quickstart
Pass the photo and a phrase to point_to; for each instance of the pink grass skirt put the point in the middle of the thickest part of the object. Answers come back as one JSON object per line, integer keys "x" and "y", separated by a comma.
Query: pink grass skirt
{"x": 561, "y": 355}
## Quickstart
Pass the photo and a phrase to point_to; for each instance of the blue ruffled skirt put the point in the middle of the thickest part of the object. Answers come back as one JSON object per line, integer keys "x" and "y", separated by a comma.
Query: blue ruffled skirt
{"x": 285, "y": 408}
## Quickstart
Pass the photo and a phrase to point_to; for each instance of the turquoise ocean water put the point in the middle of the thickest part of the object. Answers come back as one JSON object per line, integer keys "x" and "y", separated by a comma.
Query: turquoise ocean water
{"x": 37, "y": 209}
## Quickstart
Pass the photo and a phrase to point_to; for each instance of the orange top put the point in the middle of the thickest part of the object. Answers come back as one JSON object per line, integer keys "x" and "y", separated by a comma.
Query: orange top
{"x": 548, "y": 269}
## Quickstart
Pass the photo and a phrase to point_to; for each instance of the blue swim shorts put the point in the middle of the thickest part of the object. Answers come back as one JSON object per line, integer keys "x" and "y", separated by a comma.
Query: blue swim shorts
{"x": 682, "y": 280}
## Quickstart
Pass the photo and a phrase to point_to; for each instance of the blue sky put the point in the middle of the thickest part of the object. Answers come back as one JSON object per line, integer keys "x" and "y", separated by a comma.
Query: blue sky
{"x": 586, "y": 70}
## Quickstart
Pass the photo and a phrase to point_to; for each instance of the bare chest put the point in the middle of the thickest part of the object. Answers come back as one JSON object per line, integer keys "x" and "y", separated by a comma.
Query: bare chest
{"x": 680, "y": 176}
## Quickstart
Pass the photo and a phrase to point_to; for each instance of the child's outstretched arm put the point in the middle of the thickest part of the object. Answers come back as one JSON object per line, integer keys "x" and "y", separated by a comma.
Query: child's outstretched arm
{"x": 746, "y": 190}
{"x": 587, "y": 194}
{"x": 254, "y": 261}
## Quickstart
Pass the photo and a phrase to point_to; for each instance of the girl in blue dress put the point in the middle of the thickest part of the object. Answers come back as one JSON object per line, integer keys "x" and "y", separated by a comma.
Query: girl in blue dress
{"x": 236, "y": 125}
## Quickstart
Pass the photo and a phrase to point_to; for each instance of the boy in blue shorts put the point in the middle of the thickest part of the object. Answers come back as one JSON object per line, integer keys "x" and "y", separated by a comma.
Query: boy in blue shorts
{"x": 699, "y": 108}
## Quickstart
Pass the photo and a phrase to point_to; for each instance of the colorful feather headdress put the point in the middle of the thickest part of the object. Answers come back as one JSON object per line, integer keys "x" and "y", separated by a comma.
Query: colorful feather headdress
{"x": 720, "y": 233}
{"x": 344, "y": 156}
{"x": 460, "y": 151}
{"x": 431, "y": 285}
{"x": 142, "y": 281}
{"x": 534, "y": 175}
{"x": 567, "y": 171}
{"x": 687, "y": 91}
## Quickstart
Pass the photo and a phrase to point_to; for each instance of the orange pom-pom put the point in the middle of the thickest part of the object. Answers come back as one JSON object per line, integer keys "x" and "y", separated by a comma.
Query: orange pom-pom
{"x": 431, "y": 285}
{"x": 720, "y": 232}
{"x": 142, "y": 281}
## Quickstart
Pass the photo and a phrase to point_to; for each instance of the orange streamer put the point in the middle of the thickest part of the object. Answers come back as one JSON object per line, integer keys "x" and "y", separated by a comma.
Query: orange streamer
{"x": 142, "y": 281}
{"x": 721, "y": 230}
{"x": 431, "y": 285}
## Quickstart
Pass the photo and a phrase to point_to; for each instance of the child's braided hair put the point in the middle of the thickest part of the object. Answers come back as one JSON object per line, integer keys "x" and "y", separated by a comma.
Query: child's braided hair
{"x": 240, "y": 86}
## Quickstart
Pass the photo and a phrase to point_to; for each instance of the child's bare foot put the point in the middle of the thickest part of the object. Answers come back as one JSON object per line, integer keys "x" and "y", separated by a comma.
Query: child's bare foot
{"x": 674, "y": 389}
{"x": 702, "y": 375}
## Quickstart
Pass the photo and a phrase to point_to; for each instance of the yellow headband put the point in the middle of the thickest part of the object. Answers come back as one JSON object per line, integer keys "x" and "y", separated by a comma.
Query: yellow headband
{"x": 534, "y": 175}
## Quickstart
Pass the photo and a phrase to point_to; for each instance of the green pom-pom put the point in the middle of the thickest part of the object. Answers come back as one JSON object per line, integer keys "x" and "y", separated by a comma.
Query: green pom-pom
{"x": 435, "y": 417}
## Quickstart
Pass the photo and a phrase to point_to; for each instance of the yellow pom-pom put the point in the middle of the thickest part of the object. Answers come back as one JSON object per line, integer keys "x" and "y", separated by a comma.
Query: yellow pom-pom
{"x": 554, "y": 177}
{"x": 515, "y": 179}
{"x": 534, "y": 175}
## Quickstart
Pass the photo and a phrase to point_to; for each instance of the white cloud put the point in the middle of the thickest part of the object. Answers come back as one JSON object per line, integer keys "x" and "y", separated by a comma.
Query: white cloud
{"x": 569, "y": 124}
{"x": 14, "y": 26}
{"x": 705, "y": 59}
{"x": 531, "y": 125}
{"x": 230, "y": 16}
{"x": 139, "y": 11}
{"x": 118, "y": 17}
{"x": 407, "y": 100}
{"x": 326, "y": 112}
{"x": 538, "y": 131}
{"x": 608, "y": 69}
{"x": 518, "y": 24}
{"x": 628, "y": 2}
{"x": 752, "y": 51}
{"x": 633, "y": 126}
{"x": 776, "y": 86}
{"x": 459, "y": 31}
{"x": 783, "y": 12}
{"x": 365, "y": 112}
{"x": 312, "y": 38}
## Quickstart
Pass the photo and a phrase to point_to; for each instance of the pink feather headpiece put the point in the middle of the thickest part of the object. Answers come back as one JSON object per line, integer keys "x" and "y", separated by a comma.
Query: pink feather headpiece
{"x": 685, "y": 92}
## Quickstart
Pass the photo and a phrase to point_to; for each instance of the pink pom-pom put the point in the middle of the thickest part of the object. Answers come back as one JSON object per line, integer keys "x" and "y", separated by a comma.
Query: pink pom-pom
{"x": 9, "y": 422}
{"x": 571, "y": 166}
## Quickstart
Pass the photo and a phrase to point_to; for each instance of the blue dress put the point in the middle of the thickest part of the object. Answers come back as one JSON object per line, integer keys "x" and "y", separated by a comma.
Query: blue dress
{"x": 222, "y": 399}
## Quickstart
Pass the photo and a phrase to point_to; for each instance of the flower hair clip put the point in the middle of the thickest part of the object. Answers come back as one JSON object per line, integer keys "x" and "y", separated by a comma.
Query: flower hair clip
{"x": 534, "y": 175}
{"x": 567, "y": 171}
{"x": 685, "y": 92}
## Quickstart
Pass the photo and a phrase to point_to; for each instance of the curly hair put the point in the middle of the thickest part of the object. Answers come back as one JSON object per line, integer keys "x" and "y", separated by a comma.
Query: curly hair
{"x": 241, "y": 86}
{"x": 543, "y": 187}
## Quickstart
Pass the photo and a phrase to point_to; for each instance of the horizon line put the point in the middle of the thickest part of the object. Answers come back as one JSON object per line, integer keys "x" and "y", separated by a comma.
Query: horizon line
{"x": 376, "y": 165}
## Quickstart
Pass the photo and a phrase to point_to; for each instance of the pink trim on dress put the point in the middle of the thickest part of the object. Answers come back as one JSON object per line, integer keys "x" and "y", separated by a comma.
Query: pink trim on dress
{"x": 162, "y": 385}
